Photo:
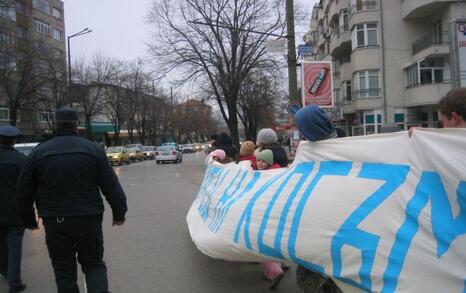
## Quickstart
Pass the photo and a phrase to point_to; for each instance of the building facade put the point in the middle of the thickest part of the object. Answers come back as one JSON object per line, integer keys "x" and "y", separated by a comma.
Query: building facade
{"x": 34, "y": 27}
{"x": 391, "y": 59}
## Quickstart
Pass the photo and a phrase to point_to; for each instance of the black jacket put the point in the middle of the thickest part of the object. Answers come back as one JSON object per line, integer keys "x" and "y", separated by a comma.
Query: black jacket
{"x": 11, "y": 162}
{"x": 63, "y": 177}
{"x": 279, "y": 154}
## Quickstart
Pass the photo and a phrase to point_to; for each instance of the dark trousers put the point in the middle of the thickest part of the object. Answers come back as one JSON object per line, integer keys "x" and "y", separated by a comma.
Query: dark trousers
{"x": 81, "y": 237}
{"x": 11, "y": 249}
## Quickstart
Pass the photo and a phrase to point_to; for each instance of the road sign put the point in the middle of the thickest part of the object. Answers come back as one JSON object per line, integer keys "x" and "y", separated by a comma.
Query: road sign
{"x": 276, "y": 46}
{"x": 317, "y": 84}
{"x": 305, "y": 50}
{"x": 293, "y": 108}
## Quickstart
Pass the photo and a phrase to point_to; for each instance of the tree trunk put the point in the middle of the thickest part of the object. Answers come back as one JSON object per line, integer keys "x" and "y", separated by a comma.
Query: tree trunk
{"x": 13, "y": 115}
{"x": 88, "y": 127}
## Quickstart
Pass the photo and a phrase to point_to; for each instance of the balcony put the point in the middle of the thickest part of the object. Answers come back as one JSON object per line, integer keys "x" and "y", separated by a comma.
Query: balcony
{"x": 426, "y": 94}
{"x": 412, "y": 9}
{"x": 362, "y": 6}
{"x": 439, "y": 39}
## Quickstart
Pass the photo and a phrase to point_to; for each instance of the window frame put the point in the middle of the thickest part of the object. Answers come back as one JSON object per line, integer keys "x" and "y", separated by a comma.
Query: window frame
{"x": 366, "y": 91}
{"x": 42, "y": 27}
{"x": 355, "y": 40}
{"x": 40, "y": 5}
{"x": 4, "y": 110}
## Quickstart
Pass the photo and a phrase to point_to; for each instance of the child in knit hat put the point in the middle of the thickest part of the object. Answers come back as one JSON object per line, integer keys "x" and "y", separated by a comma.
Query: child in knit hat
{"x": 246, "y": 153}
{"x": 273, "y": 270}
{"x": 265, "y": 160}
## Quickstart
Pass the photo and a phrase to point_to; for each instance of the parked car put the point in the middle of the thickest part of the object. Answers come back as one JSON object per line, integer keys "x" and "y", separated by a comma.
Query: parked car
{"x": 149, "y": 152}
{"x": 118, "y": 155}
{"x": 167, "y": 153}
{"x": 135, "y": 152}
{"x": 170, "y": 144}
{"x": 187, "y": 148}
{"x": 26, "y": 148}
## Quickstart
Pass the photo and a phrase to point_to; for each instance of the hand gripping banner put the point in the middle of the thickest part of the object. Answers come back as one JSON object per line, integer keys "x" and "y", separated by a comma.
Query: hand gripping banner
{"x": 383, "y": 213}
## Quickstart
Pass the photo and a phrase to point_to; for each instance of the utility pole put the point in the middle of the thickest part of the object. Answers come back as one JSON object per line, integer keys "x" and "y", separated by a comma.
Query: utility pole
{"x": 292, "y": 76}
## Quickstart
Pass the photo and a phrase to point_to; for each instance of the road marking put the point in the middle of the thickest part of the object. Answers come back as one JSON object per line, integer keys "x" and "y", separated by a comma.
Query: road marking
{"x": 177, "y": 174}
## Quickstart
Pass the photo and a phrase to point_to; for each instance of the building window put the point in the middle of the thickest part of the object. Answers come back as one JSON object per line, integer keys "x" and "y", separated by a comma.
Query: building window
{"x": 7, "y": 61}
{"x": 344, "y": 26}
{"x": 426, "y": 71}
{"x": 372, "y": 121}
{"x": 4, "y": 114}
{"x": 57, "y": 34}
{"x": 42, "y": 27}
{"x": 7, "y": 11}
{"x": 56, "y": 13}
{"x": 365, "y": 35}
{"x": 41, "y": 5}
{"x": 6, "y": 38}
{"x": 362, "y": 5}
{"x": 22, "y": 32}
{"x": 45, "y": 116}
{"x": 20, "y": 7}
{"x": 347, "y": 92}
{"x": 366, "y": 84}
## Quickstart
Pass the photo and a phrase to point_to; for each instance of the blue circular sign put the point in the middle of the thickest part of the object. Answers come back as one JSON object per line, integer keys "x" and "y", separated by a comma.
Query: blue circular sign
{"x": 293, "y": 108}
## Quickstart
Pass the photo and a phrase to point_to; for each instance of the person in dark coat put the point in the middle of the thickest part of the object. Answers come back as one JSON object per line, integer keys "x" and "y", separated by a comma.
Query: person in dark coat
{"x": 11, "y": 227}
{"x": 225, "y": 143}
{"x": 64, "y": 177}
{"x": 314, "y": 124}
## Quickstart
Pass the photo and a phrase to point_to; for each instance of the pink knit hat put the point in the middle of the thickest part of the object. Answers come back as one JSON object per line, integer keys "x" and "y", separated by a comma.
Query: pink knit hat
{"x": 219, "y": 154}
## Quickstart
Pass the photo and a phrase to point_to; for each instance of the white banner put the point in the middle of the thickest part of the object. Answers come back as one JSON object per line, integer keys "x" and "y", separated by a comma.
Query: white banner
{"x": 385, "y": 213}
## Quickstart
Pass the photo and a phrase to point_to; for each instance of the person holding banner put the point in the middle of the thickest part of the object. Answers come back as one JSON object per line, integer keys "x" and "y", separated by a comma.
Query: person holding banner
{"x": 314, "y": 124}
{"x": 452, "y": 110}
{"x": 267, "y": 139}
{"x": 273, "y": 270}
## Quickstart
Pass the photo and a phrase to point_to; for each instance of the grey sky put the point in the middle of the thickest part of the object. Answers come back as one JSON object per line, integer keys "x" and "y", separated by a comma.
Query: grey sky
{"x": 119, "y": 28}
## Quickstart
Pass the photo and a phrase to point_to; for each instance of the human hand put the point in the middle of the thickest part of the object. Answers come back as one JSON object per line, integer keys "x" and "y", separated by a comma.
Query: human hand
{"x": 118, "y": 223}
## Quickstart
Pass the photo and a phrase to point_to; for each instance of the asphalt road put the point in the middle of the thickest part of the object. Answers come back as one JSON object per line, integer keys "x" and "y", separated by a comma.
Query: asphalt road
{"x": 153, "y": 251}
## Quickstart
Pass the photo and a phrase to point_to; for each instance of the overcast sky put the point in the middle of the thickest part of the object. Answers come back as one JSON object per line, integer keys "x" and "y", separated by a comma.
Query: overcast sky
{"x": 119, "y": 27}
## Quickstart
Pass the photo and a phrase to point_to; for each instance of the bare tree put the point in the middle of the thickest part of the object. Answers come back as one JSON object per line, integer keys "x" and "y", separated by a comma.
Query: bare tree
{"x": 52, "y": 95}
{"x": 89, "y": 86}
{"x": 22, "y": 74}
{"x": 258, "y": 100}
{"x": 215, "y": 41}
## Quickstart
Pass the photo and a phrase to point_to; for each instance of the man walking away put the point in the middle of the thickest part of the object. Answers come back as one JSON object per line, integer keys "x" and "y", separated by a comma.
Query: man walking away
{"x": 64, "y": 178}
{"x": 11, "y": 228}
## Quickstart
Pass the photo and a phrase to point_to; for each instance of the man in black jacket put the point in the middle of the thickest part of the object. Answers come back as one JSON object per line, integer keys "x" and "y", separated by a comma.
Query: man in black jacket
{"x": 11, "y": 228}
{"x": 64, "y": 178}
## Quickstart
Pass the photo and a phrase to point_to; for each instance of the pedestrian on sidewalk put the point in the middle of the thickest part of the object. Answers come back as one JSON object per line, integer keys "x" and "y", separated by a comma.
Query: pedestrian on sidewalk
{"x": 273, "y": 270}
{"x": 218, "y": 155}
{"x": 64, "y": 178}
{"x": 11, "y": 227}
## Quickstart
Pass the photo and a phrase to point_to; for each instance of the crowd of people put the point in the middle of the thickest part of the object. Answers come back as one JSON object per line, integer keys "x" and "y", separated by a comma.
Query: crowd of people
{"x": 64, "y": 177}
{"x": 314, "y": 125}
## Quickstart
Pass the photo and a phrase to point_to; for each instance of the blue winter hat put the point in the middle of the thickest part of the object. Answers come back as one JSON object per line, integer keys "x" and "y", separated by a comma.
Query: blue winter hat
{"x": 9, "y": 131}
{"x": 314, "y": 124}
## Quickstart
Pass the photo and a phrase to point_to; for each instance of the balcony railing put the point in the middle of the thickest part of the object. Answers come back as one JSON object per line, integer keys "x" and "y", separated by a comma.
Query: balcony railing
{"x": 431, "y": 39}
{"x": 367, "y": 93}
{"x": 363, "y": 6}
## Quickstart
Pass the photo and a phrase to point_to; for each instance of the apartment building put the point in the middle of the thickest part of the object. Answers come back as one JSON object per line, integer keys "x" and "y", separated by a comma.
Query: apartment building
{"x": 26, "y": 24}
{"x": 391, "y": 59}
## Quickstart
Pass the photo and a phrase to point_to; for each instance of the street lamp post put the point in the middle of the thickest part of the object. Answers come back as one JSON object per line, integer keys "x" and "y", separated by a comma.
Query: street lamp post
{"x": 83, "y": 32}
